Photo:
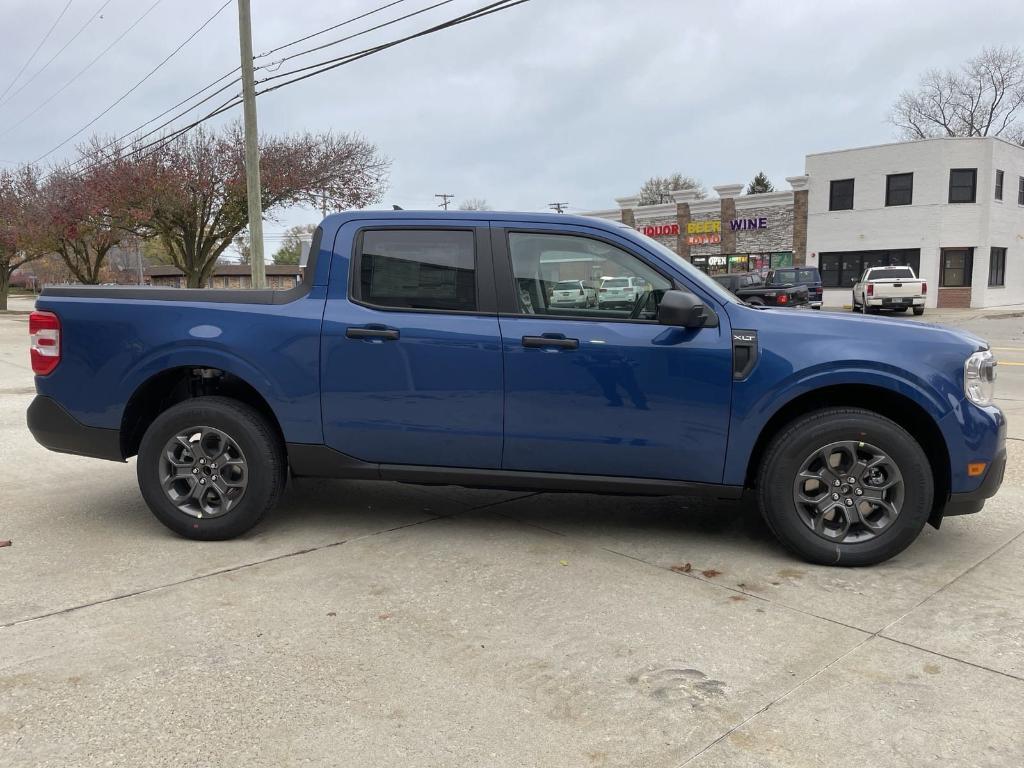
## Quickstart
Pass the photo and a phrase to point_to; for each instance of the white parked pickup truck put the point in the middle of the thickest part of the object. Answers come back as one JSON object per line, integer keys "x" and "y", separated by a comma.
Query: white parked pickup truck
{"x": 895, "y": 288}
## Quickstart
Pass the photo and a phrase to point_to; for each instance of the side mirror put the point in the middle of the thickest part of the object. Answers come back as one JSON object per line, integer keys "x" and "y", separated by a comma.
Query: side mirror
{"x": 683, "y": 309}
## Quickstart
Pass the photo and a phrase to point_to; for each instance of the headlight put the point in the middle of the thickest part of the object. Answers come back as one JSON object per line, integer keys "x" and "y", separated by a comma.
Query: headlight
{"x": 980, "y": 377}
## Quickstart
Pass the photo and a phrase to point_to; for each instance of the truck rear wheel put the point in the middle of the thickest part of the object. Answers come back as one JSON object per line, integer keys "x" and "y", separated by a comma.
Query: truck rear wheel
{"x": 210, "y": 468}
{"x": 845, "y": 486}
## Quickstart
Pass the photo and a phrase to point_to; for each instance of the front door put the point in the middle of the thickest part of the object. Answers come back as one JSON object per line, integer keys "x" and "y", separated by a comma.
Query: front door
{"x": 605, "y": 390}
{"x": 411, "y": 360}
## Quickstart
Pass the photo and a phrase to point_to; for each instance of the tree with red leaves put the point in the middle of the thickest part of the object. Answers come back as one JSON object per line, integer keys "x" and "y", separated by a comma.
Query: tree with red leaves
{"x": 18, "y": 199}
{"x": 194, "y": 187}
{"x": 85, "y": 212}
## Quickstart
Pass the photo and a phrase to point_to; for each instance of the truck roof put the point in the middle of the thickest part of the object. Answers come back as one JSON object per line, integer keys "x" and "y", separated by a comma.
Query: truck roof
{"x": 555, "y": 218}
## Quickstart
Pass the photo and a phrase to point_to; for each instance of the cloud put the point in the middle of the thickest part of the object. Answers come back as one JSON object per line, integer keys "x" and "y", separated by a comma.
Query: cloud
{"x": 568, "y": 100}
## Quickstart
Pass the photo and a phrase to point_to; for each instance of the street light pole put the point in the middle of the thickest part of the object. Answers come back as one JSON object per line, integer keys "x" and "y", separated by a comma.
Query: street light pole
{"x": 252, "y": 149}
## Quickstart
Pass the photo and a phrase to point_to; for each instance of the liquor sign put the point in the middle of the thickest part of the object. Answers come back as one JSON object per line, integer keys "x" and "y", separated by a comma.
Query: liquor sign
{"x": 660, "y": 230}
{"x": 742, "y": 225}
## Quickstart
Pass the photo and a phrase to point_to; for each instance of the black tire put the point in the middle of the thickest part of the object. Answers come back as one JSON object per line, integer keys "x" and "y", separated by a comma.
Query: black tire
{"x": 786, "y": 454}
{"x": 918, "y": 311}
{"x": 265, "y": 466}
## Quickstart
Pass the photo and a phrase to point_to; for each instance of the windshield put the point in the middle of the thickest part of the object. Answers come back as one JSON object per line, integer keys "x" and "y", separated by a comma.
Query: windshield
{"x": 568, "y": 285}
{"x": 618, "y": 282}
{"x": 891, "y": 273}
{"x": 794, "y": 277}
{"x": 691, "y": 271}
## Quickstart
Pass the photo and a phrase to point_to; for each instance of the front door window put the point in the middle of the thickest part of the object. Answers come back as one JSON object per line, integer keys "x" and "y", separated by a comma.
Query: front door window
{"x": 541, "y": 262}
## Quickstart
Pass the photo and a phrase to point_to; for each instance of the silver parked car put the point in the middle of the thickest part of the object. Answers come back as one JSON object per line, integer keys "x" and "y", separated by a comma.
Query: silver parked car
{"x": 574, "y": 293}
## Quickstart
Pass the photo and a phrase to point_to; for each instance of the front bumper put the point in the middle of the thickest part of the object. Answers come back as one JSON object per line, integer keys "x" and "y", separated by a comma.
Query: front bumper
{"x": 56, "y": 429}
{"x": 972, "y": 501}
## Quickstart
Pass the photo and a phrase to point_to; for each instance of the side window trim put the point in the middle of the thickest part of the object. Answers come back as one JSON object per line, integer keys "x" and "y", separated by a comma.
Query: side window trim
{"x": 486, "y": 303}
{"x": 508, "y": 302}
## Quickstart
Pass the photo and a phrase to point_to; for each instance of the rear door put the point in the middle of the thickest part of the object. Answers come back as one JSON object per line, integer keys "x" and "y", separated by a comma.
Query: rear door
{"x": 605, "y": 391}
{"x": 411, "y": 369}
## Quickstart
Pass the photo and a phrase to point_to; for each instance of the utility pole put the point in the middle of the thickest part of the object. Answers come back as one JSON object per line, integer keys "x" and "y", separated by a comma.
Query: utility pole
{"x": 558, "y": 206}
{"x": 444, "y": 200}
{"x": 252, "y": 149}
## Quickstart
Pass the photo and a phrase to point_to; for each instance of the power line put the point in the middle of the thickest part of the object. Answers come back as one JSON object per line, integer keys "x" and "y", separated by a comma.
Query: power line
{"x": 40, "y": 45}
{"x": 234, "y": 101}
{"x": 64, "y": 47}
{"x": 149, "y": 74}
{"x": 279, "y": 62}
{"x": 329, "y": 29}
{"x": 225, "y": 87}
{"x": 329, "y": 64}
{"x": 82, "y": 71}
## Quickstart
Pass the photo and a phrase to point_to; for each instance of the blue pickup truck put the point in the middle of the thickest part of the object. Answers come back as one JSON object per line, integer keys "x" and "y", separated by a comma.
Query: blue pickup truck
{"x": 425, "y": 348}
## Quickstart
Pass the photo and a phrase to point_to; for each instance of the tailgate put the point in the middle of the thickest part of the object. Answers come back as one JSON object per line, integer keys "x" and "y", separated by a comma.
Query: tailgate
{"x": 896, "y": 289}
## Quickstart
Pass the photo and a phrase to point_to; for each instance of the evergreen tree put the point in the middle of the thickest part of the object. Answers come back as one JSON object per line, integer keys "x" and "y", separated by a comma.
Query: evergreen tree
{"x": 759, "y": 184}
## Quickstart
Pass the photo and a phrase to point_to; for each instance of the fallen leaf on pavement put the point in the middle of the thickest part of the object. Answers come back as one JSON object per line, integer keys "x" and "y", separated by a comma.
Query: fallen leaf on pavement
{"x": 5, "y": 542}
{"x": 563, "y": 562}
{"x": 710, "y": 573}
{"x": 681, "y": 568}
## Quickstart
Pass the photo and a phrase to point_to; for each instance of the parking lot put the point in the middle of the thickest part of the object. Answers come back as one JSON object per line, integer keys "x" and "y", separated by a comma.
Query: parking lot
{"x": 384, "y": 624}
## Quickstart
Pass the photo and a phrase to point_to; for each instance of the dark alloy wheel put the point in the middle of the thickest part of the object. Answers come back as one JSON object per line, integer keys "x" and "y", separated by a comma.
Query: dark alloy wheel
{"x": 845, "y": 486}
{"x": 203, "y": 472}
{"x": 848, "y": 491}
{"x": 211, "y": 467}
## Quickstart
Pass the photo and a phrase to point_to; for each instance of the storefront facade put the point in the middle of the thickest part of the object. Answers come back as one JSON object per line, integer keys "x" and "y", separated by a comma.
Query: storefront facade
{"x": 951, "y": 208}
{"x": 730, "y": 232}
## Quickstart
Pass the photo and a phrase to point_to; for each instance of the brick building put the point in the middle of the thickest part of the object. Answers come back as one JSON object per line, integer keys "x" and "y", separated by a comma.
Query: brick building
{"x": 730, "y": 232}
{"x": 279, "y": 276}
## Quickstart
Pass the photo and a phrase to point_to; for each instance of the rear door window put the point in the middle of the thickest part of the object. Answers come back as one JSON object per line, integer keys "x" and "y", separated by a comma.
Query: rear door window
{"x": 417, "y": 269}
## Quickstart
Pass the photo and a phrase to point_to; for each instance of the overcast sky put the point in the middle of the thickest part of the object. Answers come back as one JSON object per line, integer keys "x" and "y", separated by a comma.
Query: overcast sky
{"x": 567, "y": 100}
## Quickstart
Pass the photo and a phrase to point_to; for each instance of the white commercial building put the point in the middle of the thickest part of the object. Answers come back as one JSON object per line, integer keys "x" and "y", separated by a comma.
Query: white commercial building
{"x": 953, "y": 208}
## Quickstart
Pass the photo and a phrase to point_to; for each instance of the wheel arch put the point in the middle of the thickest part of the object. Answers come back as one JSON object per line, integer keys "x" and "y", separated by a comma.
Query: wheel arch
{"x": 183, "y": 382}
{"x": 893, "y": 405}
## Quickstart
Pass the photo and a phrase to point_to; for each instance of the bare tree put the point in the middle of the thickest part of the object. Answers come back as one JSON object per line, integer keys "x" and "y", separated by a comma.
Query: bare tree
{"x": 474, "y": 204}
{"x": 985, "y": 97}
{"x": 657, "y": 188}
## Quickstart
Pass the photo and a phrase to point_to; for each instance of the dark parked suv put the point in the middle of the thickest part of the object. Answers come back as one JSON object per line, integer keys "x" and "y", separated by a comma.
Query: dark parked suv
{"x": 809, "y": 276}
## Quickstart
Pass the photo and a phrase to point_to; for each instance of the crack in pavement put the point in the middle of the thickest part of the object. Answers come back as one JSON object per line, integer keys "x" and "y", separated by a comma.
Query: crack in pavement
{"x": 243, "y": 566}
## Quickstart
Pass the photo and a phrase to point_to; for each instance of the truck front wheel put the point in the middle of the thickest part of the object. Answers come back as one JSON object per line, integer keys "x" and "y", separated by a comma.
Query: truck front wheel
{"x": 210, "y": 468}
{"x": 845, "y": 486}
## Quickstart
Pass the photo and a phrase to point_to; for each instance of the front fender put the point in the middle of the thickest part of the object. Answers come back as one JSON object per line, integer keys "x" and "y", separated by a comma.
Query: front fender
{"x": 754, "y": 405}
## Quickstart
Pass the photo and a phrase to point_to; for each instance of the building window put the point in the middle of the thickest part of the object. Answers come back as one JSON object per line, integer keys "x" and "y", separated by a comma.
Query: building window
{"x": 840, "y": 196}
{"x": 999, "y": 185}
{"x": 957, "y": 265}
{"x": 1020, "y": 191}
{"x": 997, "y": 267}
{"x": 417, "y": 269}
{"x": 899, "y": 189}
{"x": 963, "y": 185}
{"x": 841, "y": 269}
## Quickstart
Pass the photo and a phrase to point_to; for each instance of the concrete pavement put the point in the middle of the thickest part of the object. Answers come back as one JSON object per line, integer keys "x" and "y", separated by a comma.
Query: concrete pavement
{"x": 381, "y": 624}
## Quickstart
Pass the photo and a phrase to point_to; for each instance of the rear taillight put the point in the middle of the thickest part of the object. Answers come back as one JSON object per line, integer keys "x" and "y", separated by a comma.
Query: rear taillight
{"x": 871, "y": 290}
{"x": 924, "y": 289}
{"x": 44, "y": 330}
{"x": 783, "y": 298}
